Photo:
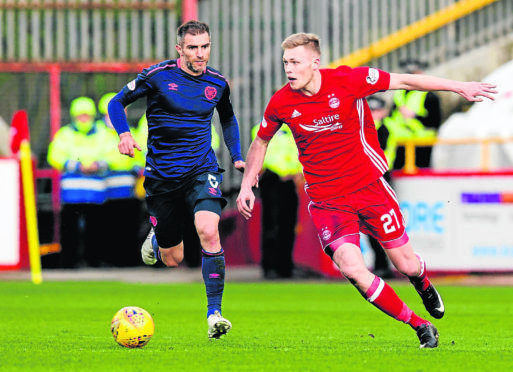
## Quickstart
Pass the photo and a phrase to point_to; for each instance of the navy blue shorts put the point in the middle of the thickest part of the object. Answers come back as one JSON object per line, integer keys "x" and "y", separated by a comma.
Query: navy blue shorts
{"x": 172, "y": 211}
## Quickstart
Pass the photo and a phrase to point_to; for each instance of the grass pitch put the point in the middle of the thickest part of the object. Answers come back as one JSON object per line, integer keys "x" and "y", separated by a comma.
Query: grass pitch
{"x": 65, "y": 326}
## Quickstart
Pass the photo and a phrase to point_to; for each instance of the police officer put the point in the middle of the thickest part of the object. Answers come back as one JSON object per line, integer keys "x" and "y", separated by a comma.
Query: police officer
{"x": 122, "y": 208}
{"x": 387, "y": 141}
{"x": 79, "y": 151}
{"x": 416, "y": 115}
{"x": 279, "y": 204}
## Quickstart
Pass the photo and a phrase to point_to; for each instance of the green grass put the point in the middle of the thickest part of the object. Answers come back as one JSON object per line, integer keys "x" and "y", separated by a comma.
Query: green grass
{"x": 64, "y": 326}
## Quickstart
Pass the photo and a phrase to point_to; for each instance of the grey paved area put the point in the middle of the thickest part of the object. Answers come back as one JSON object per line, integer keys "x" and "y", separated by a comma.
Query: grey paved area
{"x": 136, "y": 275}
{"x": 233, "y": 274}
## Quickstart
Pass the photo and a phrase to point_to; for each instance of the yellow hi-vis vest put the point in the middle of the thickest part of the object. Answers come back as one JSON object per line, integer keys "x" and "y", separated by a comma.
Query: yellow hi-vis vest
{"x": 123, "y": 174}
{"x": 216, "y": 141}
{"x": 410, "y": 128}
{"x": 391, "y": 146}
{"x": 281, "y": 156}
{"x": 70, "y": 148}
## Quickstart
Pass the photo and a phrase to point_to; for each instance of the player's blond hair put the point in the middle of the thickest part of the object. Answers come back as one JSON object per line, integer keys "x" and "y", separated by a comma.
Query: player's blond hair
{"x": 310, "y": 41}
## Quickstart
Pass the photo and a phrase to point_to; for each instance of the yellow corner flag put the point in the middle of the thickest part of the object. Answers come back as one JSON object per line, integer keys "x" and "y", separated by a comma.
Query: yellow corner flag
{"x": 20, "y": 141}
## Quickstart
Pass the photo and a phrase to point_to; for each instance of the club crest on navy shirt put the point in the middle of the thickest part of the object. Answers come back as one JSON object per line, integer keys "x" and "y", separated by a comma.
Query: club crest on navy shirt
{"x": 210, "y": 92}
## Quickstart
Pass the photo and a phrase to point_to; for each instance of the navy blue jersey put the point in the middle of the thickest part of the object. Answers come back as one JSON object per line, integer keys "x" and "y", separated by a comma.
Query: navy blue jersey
{"x": 180, "y": 107}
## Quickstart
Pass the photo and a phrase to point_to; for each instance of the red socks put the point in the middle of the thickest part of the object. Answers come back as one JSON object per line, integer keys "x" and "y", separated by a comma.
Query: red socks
{"x": 381, "y": 295}
{"x": 420, "y": 282}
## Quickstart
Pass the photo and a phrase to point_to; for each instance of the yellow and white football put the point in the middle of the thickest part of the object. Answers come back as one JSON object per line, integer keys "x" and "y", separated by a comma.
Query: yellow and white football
{"x": 132, "y": 327}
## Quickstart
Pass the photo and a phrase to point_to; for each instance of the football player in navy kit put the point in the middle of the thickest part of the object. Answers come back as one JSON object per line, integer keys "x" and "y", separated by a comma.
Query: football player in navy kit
{"x": 182, "y": 175}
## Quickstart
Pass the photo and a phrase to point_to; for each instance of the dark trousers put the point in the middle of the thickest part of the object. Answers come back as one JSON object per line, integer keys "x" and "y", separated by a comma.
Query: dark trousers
{"x": 380, "y": 257}
{"x": 123, "y": 239}
{"x": 381, "y": 262}
{"x": 279, "y": 218}
{"x": 422, "y": 157}
{"x": 82, "y": 235}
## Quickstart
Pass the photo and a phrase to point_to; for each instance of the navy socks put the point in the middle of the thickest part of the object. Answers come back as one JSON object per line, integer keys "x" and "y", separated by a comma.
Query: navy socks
{"x": 213, "y": 269}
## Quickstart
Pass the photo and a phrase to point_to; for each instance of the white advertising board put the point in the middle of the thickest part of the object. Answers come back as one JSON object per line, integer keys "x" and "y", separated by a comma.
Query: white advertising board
{"x": 460, "y": 222}
{"x": 9, "y": 212}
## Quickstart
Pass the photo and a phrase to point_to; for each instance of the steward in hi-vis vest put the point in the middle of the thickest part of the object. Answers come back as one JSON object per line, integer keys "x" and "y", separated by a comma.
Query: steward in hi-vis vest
{"x": 387, "y": 133}
{"x": 79, "y": 151}
{"x": 123, "y": 170}
{"x": 124, "y": 205}
{"x": 415, "y": 115}
{"x": 387, "y": 142}
{"x": 279, "y": 204}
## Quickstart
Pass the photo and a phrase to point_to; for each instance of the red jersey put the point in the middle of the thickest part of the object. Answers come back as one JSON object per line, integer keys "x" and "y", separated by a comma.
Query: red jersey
{"x": 334, "y": 130}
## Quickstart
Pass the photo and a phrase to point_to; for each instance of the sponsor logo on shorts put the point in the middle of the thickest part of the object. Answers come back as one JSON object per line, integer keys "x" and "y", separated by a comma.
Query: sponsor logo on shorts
{"x": 172, "y": 86}
{"x": 212, "y": 191}
{"x": 131, "y": 85}
{"x": 264, "y": 123}
{"x": 326, "y": 234}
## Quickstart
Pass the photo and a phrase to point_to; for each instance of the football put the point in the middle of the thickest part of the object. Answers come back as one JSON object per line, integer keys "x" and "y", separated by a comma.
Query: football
{"x": 132, "y": 327}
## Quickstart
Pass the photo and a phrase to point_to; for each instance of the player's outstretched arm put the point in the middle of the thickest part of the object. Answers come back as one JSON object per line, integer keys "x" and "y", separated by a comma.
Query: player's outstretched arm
{"x": 254, "y": 162}
{"x": 472, "y": 91}
{"x": 127, "y": 144}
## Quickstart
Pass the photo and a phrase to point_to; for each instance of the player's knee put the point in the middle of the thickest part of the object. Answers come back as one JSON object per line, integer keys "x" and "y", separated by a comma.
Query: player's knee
{"x": 408, "y": 267}
{"x": 354, "y": 275}
{"x": 172, "y": 261}
{"x": 350, "y": 266}
{"x": 353, "y": 272}
{"x": 171, "y": 257}
{"x": 208, "y": 233}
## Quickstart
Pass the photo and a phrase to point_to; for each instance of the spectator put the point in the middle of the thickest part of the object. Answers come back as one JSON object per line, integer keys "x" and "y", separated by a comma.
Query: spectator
{"x": 386, "y": 140}
{"x": 416, "y": 115}
{"x": 79, "y": 151}
{"x": 279, "y": 204}
{"x": 122, "y": 208}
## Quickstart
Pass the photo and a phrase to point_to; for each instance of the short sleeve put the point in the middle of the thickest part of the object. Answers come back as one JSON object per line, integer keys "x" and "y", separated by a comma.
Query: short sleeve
{"x": 270, "y": 122}
{"x": 364, "y": 81}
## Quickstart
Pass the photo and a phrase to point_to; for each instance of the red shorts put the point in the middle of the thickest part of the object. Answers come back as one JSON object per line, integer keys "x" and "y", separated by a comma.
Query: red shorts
{"x": 373, "y": 210}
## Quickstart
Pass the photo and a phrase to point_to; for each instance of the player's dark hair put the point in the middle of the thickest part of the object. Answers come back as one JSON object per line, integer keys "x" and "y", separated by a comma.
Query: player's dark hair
{"x": 311, "y": 41}
{"x": 192, "y": 28}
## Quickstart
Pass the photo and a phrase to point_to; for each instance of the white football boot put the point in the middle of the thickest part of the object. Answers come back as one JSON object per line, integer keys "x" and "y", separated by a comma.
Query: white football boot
{"x": 147, "y": 254}
{"x": 217, "y": 325}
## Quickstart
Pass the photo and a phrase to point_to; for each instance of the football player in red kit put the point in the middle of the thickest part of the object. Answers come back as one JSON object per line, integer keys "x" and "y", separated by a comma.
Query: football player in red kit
{"x": 344, "y": 166}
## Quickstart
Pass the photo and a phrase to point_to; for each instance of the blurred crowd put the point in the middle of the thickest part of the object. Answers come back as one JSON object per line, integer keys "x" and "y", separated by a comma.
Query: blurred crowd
{"x": 101, "y": 192}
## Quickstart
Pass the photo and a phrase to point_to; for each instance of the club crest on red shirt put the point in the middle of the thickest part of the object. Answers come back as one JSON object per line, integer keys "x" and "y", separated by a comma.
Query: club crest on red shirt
{"x": 210, "y": 92}
{"x": 334, "y": 102}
